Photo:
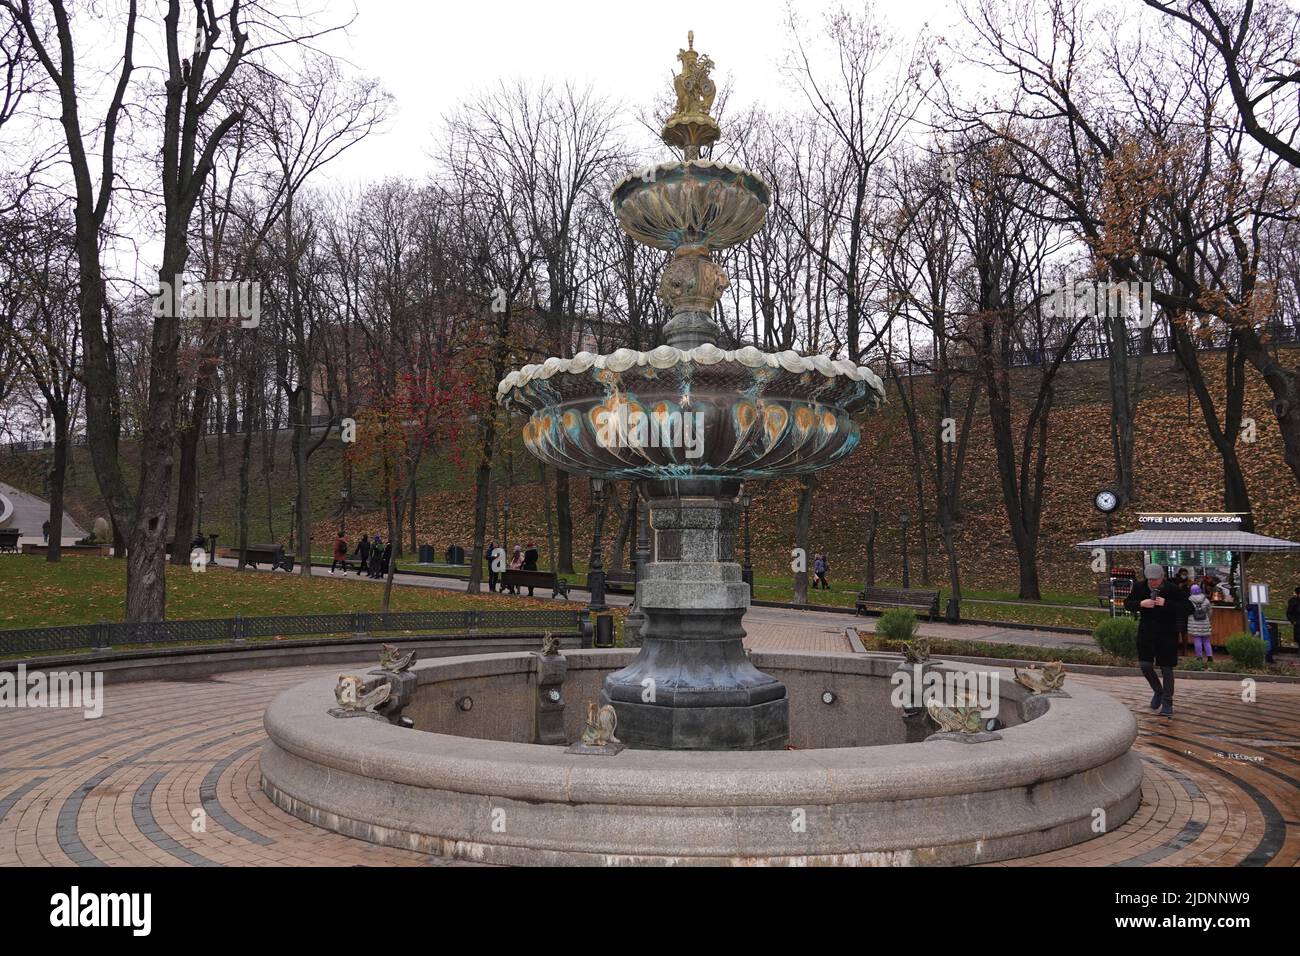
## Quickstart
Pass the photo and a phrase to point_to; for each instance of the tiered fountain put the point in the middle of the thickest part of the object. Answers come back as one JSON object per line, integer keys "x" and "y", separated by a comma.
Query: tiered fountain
{"x": 690, "y": 422}
{"x": 467, "y": 758}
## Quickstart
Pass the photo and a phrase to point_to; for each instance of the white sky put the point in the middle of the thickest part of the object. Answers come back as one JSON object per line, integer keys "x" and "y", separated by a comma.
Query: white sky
{"x": 432, "y": 55}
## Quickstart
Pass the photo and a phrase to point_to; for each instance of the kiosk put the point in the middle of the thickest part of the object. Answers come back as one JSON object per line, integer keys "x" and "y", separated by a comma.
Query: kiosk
{"x": 1214, "y": 550}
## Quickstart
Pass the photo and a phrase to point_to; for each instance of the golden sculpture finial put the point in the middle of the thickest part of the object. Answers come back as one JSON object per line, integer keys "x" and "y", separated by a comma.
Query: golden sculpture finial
{"x": 691, "y": 126}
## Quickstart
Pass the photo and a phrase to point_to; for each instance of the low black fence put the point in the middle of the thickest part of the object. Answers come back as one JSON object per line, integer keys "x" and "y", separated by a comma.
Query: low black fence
{"x": 105, "y": 635}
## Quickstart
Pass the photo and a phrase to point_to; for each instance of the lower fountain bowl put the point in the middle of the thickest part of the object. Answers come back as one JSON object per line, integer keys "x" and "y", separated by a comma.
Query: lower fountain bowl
{"x": 863, "y": 786}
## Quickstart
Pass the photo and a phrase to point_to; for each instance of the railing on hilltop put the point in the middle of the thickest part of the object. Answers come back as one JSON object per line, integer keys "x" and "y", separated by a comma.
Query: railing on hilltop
{"x": 921, "y": 359}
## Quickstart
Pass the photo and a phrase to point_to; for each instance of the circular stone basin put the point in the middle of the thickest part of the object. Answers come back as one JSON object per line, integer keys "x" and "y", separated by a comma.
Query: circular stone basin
{"x": 861, "y": 787}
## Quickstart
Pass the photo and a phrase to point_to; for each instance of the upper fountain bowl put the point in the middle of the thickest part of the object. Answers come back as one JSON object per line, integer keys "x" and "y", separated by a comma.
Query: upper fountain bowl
{"x": 697, "y": 203}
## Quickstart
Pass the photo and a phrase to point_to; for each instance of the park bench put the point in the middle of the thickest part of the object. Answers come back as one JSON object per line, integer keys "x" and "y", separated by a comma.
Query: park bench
{"x": 9, "y": 540}
{"x": 536, "y": 579}
{"x": 873, "y": 598}
{"x": 272, "y": 554}
{"x": 620, "y": 582}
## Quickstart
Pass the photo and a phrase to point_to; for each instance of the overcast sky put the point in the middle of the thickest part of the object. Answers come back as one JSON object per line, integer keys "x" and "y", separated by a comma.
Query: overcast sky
{"x": 432, "y": 55}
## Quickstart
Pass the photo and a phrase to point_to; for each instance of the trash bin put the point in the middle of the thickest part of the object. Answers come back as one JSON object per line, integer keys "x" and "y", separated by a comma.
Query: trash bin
{"x": 426, "y": 554}
{"x": 604, "y": 630}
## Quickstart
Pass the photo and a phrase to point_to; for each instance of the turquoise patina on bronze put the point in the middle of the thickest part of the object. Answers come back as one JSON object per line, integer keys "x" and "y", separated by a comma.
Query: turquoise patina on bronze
{"x": 691, "y": 421}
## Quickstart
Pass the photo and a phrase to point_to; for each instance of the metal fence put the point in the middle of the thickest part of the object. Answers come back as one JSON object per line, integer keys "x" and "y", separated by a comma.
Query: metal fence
{"x": 106, "y": 635}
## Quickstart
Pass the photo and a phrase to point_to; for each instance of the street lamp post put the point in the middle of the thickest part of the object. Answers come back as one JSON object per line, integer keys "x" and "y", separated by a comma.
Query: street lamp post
{"x": 343, "y": 513}
{"x": 635, "y": 619}
{"x": 907, "y": 577}
{"x": 596, "y": 571}
{"x": 747, "y": 570}
{"x": 602, "y": 624}
{"x": 293, "y": 521}
{"x": 200, "y": 528}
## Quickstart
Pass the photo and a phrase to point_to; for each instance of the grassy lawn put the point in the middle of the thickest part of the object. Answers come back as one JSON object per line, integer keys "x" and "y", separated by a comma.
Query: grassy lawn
{"x": 85, "y": 590}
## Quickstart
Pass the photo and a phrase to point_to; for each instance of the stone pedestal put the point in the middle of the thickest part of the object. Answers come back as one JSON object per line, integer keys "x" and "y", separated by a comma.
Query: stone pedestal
{"x": 692, "y": 687}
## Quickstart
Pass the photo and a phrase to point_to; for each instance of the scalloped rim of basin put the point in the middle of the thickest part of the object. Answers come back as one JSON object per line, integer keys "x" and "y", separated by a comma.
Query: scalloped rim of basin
{"x": 942, "y": 802}
{"x": 654, "y": 171}
{"x": 667, "y": 356}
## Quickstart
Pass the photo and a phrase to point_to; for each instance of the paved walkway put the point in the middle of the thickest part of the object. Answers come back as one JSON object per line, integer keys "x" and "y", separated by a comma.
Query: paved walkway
{"x": 1222, "y": 783}
{"x": 31, "y": 513}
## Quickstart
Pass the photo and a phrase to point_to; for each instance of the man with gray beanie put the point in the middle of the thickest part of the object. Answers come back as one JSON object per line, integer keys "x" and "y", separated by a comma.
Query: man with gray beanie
{"x": 1159, "y": 603}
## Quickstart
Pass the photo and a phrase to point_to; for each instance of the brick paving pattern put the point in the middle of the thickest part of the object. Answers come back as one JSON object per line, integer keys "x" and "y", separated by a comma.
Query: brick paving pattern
{"x": 169, "y": 777}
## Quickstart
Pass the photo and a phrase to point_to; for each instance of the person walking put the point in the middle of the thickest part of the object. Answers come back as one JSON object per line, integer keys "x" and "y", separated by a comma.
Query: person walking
{"x": 1199, "y": 624}
{"x": 363, "y": 555}
{"x": 1293, "y": 615}
{"x": 820, "y": 568}
{"x": 385, "y": 560}
{"x": 530, "y": 561}
{"x": 376, "y": 554}
{"x": 45, "y": 531}
{"x": 494, "y": 576}
{"x": 340, "y": 553}
{"x": 1158, "y": 602}
{"x": 1184, "y": 582}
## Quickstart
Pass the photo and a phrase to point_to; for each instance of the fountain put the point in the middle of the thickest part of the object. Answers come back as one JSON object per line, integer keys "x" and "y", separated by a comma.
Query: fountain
{"x": 720, "y": 757}
{"x": 690, "y": 422}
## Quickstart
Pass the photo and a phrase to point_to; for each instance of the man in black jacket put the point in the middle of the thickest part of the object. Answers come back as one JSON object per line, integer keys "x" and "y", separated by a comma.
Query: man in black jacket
{"x": 1159, "y": 603}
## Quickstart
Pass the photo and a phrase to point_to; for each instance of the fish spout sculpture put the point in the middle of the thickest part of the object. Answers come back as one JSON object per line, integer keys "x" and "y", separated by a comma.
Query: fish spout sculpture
{"x": 964, "y": 718}
{"x": 357, "y": 696}
{"x": 394, "y": 662}
{"x": 1044, "y": 680}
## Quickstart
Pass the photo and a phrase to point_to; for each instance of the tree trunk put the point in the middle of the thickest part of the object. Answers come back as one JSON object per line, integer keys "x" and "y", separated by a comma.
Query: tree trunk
{"x": 301, "y": 435}
{"x": 624, "y": 528}
{"x": 550, "y": 518}
{"x": 802, "y": 528}
{"x": 410, "y": 510}
{"x": 58, "y": 475}
{"x": 1285, "y": 385}
{"x": 146, "y": 598}
{"x": 245, "y": 463}
{"x": 187, "y": 490}
{"x": 1123, "y": 408}
{"x": 870, "y": 581}
{"x": 564, "y": 518}
{"x": 482, "y": 477}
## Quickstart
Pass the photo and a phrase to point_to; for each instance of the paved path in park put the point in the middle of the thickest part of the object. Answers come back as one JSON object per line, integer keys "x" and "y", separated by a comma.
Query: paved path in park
{"x": 1221, "y": 785}
{"x": 31, "y": 513}
{"x": 771, "y": 624}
